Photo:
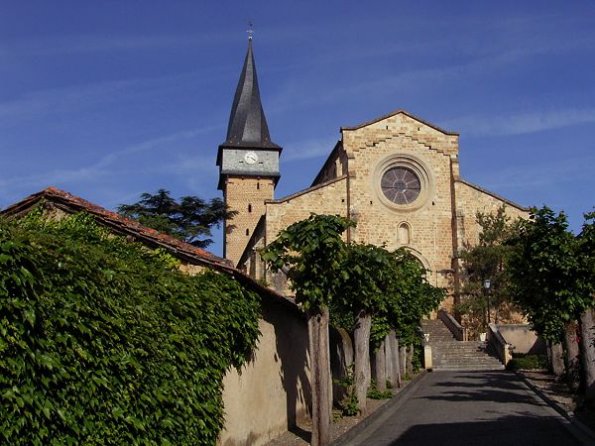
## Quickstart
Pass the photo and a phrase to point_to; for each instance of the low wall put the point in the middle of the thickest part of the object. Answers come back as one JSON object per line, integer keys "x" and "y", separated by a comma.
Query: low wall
{"x": 523, "y": 338}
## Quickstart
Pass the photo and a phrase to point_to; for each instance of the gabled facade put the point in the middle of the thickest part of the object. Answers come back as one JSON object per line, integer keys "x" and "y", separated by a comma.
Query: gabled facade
{"x": 398, "y": 177}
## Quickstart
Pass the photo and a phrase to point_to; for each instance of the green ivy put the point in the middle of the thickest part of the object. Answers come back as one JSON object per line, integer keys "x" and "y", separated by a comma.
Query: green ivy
{"x": 105, "y": 342}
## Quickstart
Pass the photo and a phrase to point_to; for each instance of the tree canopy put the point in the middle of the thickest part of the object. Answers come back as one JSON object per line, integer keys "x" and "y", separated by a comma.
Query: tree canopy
{"x": 548, "y": 271}
{"x": 190, "y": 218}
{"x": 487, "y": 260}
{"x": 312, "y": 252}
{"x": 391, "y": 286}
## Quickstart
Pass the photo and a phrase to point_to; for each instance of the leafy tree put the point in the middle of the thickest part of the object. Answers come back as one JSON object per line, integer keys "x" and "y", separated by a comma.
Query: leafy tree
{"x": 410, "y": 296}
{"x": 189, "y": 219}
{"x": 487, "y": 261}
{"x": 312, "y": 252}
{"x": 544, "y": 268}
{"x": 382, "y": 290}
{"x": 367, "y": 269}
{"x": 552, "y": 272}
{"x": 586, "y": 250}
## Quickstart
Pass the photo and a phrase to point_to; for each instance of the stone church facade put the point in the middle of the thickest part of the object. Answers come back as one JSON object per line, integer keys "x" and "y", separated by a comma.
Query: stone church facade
{"x": 397, "y": 176}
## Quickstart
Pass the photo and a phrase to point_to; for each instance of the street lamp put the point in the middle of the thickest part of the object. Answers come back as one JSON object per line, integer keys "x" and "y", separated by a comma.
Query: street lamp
{"x": 486, "y": 285}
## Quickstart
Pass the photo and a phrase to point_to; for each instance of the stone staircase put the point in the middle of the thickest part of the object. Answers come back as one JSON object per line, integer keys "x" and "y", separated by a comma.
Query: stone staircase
{"x": 450, "y": 354}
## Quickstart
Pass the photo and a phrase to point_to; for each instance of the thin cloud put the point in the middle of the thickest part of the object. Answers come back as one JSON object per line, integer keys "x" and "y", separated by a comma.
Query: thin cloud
{"x": 308, "y": 149}
{"x": 104, "y": 166}
{"x": 80, "y": 44}
{"x": 79, "y": 97}
{"x": 521, "y": 123}
{"x": 541, "y": 176}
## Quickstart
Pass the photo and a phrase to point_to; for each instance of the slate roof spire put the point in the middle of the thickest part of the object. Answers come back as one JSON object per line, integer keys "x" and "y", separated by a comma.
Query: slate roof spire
{"x": 247, "y": 123}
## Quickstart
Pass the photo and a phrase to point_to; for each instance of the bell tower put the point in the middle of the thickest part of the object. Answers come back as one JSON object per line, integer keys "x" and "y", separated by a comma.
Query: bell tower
{"x": 248, "y": 162}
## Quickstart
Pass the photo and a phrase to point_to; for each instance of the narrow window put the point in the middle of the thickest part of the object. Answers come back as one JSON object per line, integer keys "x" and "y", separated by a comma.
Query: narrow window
{"x": 249, "y": 208}
{"x": 247, "y": 231}
{"x": 258, "y": 185}
{"x": 404, "y": 234}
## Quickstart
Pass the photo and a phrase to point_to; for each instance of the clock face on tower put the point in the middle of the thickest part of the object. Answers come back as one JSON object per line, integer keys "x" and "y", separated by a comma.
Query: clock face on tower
{"x": 250, "y": 157}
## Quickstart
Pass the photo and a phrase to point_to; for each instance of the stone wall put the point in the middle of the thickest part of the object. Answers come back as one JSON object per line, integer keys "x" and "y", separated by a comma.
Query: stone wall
{"x": 425, "y": 226}
{"x": 273, "y": 390}
{"x": 327, "y": 198}
{"x": 472, "y": 199}
{"x": 246, "y": 196}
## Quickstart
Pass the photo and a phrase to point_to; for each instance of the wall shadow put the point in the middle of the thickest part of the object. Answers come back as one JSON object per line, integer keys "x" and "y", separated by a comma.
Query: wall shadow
{"x": 291, "y": 337}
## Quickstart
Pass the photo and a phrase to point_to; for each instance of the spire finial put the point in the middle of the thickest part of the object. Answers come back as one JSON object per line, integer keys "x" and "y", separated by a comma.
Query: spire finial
{"x": 250, "y": 30}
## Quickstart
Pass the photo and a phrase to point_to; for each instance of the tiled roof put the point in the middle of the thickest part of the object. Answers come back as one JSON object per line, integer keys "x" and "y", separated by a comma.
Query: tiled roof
{"x": 121, "y": 225}
{"x": 124, "y": 226}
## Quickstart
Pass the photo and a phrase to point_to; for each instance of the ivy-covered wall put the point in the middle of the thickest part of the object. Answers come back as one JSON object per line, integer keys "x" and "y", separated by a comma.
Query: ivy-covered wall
{"x": 106, "y": 342}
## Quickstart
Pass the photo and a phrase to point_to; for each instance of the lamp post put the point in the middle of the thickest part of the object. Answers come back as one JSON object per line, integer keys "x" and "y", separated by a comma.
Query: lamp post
{"x": 486, "y": 285}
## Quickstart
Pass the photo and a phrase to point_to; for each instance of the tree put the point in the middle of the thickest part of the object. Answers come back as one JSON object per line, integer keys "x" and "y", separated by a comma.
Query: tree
{"x": 586, "y": 249}
{"x": 487, "y": 261}
{"x": 312, "y": 252}
{"x": 544, "y": 268}
{"x": 380, "y": 291}
{"x": 189, "y": 219}
{"x": 367, "y": 269}
{"x": 552, "y": 283}
{"x": 410, "y": 296}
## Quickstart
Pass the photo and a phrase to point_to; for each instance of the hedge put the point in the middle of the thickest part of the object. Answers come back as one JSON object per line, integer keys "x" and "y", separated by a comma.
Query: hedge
{"x": 104, "y": 342}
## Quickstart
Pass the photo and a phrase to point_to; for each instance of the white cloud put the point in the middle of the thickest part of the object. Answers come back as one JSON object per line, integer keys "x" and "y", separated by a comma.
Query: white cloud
{"x": 89, "y": 43}
{"x": 521, "y": 123}
{"x": 308, "y": 149}
{"x": 539, "y": 176}
{"x": 104, "y": 167}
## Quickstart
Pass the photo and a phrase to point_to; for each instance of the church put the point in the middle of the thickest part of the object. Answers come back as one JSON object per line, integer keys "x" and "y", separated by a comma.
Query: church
{"x": 397, "y": 176}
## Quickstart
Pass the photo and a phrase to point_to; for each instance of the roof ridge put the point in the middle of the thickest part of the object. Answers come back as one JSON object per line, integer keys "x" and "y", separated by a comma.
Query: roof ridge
{"x": 119, "y": 221}
{"x": 396, "y": 112}
{"x": 493, "y": 194}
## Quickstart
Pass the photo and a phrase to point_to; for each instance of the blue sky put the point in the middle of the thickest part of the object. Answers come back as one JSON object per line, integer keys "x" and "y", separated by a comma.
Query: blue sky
{"x": 109, "y": 99}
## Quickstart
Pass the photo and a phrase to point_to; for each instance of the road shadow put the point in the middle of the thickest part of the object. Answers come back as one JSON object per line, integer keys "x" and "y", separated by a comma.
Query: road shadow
{"x": 522, "y": 429}
{"x": 500, "y": 387}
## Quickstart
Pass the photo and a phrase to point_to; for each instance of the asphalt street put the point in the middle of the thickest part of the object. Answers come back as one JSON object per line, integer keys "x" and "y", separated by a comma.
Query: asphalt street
{"x": 469, "y": 408}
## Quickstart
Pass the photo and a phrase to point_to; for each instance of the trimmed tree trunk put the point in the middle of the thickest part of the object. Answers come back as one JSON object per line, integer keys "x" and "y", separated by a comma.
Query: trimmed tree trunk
{"x": 572, "y": 356}
{"x": 410, "y": 361}
{"x": 588, "y": 353}
{"x": 362, "y": 358}
{"x": 396, "y": 363}
{"x": 403, "y": 360}
{"x": 321, "y": 377}
{"x": 556, "y": 353}
{"x": 388, "y": 352}
{"x": 381, "y": 368}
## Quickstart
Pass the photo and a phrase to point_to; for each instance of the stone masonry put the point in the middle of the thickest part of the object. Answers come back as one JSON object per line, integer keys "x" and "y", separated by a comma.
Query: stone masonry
{"x": 433, "y": 227}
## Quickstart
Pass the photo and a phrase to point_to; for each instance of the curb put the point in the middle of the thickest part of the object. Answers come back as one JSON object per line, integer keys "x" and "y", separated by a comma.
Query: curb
{"x": 344, "y": 440}
{"x": 576, "y": 427}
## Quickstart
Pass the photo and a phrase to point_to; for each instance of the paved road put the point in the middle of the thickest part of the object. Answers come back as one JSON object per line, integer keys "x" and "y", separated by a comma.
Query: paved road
{"x": 468, "y": 408}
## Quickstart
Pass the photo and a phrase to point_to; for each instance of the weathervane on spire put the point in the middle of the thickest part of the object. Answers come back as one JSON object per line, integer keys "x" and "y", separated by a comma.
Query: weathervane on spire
{"x": 250, "y": 31}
